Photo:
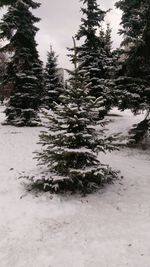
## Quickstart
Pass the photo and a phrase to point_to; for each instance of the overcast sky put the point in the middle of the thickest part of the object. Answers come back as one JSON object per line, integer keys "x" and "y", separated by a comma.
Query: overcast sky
{"x": 60, "y": 20}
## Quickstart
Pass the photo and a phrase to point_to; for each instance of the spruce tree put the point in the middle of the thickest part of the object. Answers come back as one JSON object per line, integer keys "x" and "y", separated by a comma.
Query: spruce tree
{"x": 71, "y": 141}
{"x": 93, "y": 56}
{"x": 132, "y": 85}
{"x": 105, "y": 40}
{"x": 53, "y": 85}
{"x": 109, "y": 60}
{"x": 108, "y": 41}
{"x": 24, "y": 70}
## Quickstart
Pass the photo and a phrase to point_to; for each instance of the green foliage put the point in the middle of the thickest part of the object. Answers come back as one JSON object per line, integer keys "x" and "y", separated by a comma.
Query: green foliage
{"x": 53, "y": 84}
{"x": 95, "y": 54}
{"x": 73, "y": 138}
{"x": 24, "y": 70}
{"x": 131, "y": 20}
{"x": 136, "y": 53}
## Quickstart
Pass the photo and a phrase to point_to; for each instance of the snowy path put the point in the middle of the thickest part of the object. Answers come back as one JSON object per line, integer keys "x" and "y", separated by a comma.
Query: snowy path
{"x": 107, "y": 229}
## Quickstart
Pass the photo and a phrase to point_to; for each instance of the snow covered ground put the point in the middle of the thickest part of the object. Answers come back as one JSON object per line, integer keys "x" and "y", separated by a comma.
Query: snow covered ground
{"x": 110, "y": 228}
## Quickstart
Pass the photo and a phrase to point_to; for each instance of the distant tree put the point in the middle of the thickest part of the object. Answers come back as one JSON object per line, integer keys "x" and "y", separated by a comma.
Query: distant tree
{"x": 105, "y": 39}
{"x": 71, "y": 141}
{"x": 53, "y": 84}
{"x": 94, "y": 53}
{"x": 24, "y": 70}
{"x": 109, "y": 58}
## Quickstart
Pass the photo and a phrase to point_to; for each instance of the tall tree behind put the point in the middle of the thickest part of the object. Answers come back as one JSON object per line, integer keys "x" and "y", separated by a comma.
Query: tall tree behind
{"x": 92, "y": 54}
{"x": 24, "y": 71}
{"x": 108, "y": 58}
{"x": 134, "y": 85}
{"x": 53, "y": 84}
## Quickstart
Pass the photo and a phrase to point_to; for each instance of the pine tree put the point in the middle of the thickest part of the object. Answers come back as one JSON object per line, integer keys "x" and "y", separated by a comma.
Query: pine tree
{"x": 93, "y": 54}
{"x": 53, "y": 85}
{"x": 132, "y": 85}
{"x": 109, "y": 58}
{"x": 71, "y": 141}
{"x": 108, "y": 41}
{"x": 105, "y": 39}
{"x": 24, "y": 71}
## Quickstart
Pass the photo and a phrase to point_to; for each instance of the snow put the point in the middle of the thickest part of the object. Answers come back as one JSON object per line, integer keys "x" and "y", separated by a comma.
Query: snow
{"x": 124, "y": 121}
{"x": 109, "y": 228}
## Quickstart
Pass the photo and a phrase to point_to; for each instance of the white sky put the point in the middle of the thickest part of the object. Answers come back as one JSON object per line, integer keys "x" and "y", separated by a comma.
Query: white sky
{"x": 60, "y": 20}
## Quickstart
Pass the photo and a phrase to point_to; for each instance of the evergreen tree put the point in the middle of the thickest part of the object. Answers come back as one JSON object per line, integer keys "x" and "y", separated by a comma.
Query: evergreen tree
{"x": 132, "y": 85}
{"x": 108, "y": 41}
{"x": 105, "y": 39}
{"x": 130, "y": 21}
{"x": 71, "y": 141}
{"x": 24, "y": 71}
{"x": 109, "y": 60}
{"x": 93, "y": 55}
{"x": 53, "y": 85}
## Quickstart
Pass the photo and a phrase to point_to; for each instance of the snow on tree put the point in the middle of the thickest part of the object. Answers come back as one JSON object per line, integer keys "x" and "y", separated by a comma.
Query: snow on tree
{"x": 93, "y": 53}
{"x": 109, "y": 60}
{"x": 52, "y": 83}
{"x": 133, "y": 83}
{"x": 108, "y": 41}
{"x": 24, "y": 70}
{"x": 134, "y": 80}
{"x": 71, "y": 141}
